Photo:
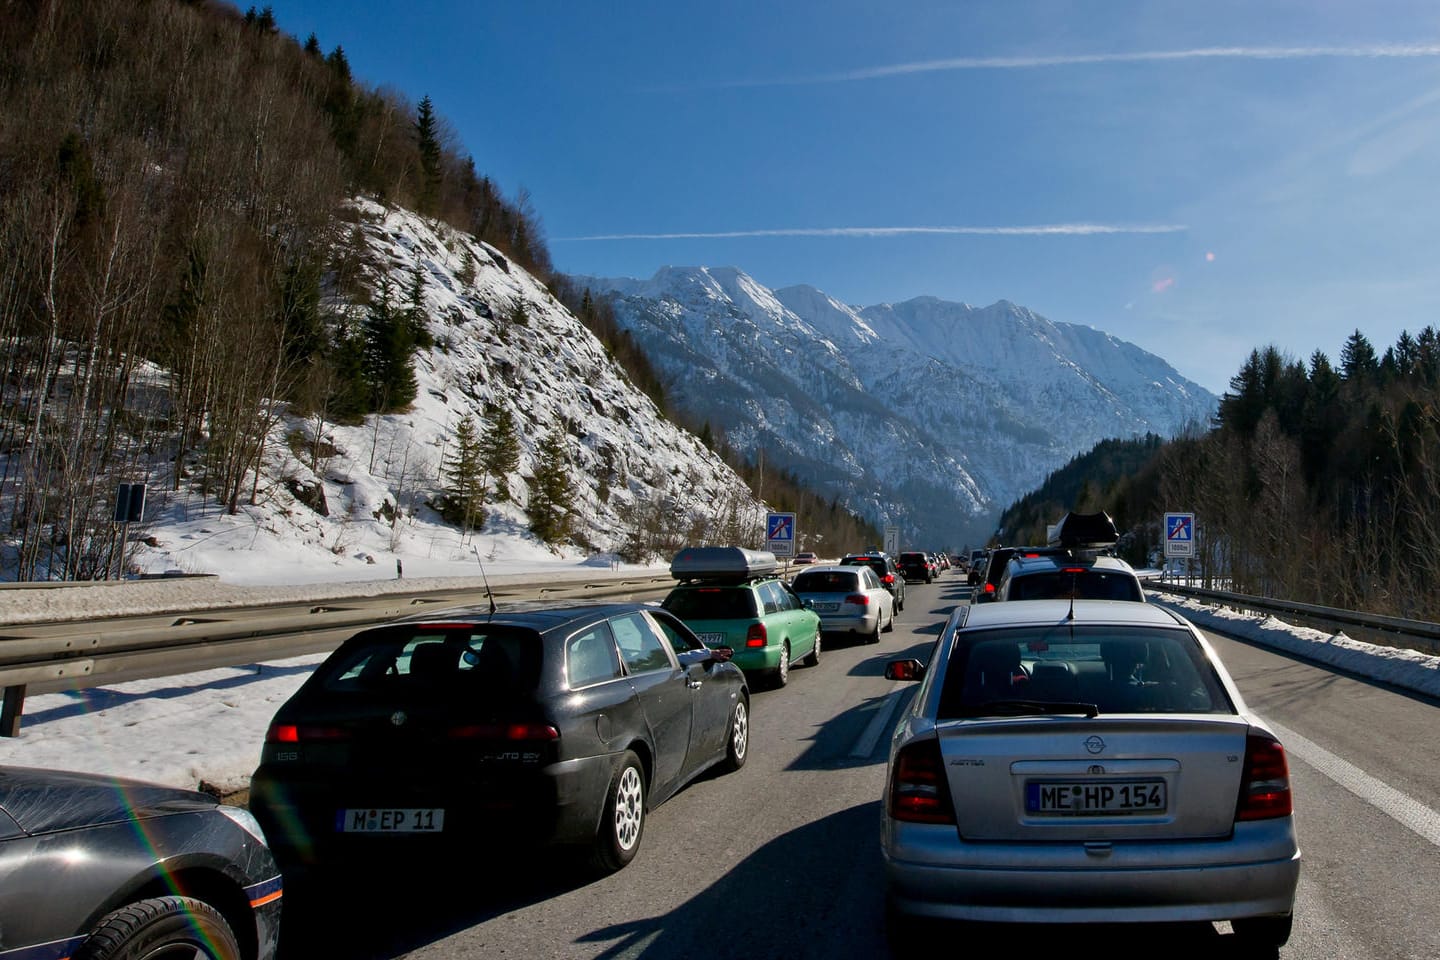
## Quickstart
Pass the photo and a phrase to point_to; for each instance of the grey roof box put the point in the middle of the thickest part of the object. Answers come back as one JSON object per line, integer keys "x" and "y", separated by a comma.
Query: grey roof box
{"x": 722, "y": 563}
{"x": 1084, "y": 531}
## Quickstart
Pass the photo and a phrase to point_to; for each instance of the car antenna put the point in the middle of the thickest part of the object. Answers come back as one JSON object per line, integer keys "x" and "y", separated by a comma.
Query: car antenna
{"x": 488, "y": 595}
{"x": 1074, "y": 584}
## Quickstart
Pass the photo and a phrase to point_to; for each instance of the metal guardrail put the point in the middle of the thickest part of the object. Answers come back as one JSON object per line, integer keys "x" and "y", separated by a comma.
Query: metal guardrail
{"x": 47, "y": 657}
{"x": 1421, "y": 635}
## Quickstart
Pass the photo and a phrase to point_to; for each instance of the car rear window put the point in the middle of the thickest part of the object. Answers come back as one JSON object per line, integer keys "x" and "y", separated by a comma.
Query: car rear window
{"x": 1119, "y": 670}
{"x": 826, "y": 581}
{"x": 423, "y": 659}
{"x": 712, "y": 603}
{"x": 1083, "y": 585}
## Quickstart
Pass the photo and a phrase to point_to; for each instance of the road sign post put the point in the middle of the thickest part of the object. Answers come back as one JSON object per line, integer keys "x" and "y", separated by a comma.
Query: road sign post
{"x": 129, "y": 508}
{"x": 892, "y": 540}
{"x": 1179, "y": 535}
{"x": 780, "y": 534}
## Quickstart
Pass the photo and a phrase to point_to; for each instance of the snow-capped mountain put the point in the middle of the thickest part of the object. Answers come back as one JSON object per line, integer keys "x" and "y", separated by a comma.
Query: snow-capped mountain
{"x": 928, "y": 414}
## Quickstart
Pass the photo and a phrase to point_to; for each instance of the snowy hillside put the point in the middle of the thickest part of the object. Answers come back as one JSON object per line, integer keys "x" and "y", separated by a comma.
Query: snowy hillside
{"x": 358, "y": 498}
{"x": 928, "y": 414}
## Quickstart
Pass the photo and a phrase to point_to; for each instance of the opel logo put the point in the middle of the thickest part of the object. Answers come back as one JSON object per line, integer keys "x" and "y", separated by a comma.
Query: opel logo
{"x": 1094, "y": 744}
{"x": 398, "y": 719}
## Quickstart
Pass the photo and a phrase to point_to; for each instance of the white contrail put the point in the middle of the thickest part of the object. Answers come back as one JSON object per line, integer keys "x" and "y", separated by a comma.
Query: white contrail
{"x": 1377, "y": 51}
{"x": 1043, "y": 230}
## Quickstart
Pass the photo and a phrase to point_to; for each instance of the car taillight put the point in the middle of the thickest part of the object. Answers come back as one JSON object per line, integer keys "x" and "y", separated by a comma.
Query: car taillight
{"x": 859, "y": 599}
{"x": 756, "y": 635}
{"x": 505, "y": 731}
{"x": 1265, "y": 781}
{"x": 989, "y": 588}
{"x": 919, "y": 792}
{"x": 889, "y": 579}
{"x": 293, "y": 733}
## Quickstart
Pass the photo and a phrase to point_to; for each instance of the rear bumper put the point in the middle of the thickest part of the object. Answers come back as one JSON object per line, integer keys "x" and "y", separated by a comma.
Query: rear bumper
{"x": 929, "y": 872}
{"x": 864, "y": 625}
{"x": 559, "y": 804}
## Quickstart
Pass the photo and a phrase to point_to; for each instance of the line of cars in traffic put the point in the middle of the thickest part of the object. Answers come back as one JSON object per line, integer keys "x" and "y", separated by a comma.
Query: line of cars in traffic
{"x": 1065, "y": 758}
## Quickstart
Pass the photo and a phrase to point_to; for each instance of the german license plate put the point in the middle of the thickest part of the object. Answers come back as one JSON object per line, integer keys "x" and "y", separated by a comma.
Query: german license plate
{"x": 390, "y": 820}
{"x": 826, "y": 607}
{"x": 711, "y": 639}
{"x": 1091, "y": 799}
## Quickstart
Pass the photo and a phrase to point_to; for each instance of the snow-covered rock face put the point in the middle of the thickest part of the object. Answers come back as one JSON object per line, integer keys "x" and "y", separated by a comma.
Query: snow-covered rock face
{"x": 927, "y": 414}
{"x": 358, "y": 497}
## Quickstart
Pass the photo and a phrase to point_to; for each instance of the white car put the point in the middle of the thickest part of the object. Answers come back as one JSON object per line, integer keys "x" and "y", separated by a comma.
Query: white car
{"x": 1063, "y": 576}
{"x": 1084, "y": 761}
{"x": 848, "y": 599}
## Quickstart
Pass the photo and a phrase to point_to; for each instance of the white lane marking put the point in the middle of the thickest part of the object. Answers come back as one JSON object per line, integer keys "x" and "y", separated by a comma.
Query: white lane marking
{"x": 878, "y": 724}
{"x": 1404, "y": 809}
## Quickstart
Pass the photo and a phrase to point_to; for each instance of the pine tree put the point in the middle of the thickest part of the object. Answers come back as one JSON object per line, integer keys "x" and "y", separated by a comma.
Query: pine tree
{"x": 415, "y": 316}
{"x": 500, "y": 450}
{"x": 388, "y": 346}
{"x": 464, "y": 479}
{"x": 427, "y": 139}
{"x": 550, "y": 490}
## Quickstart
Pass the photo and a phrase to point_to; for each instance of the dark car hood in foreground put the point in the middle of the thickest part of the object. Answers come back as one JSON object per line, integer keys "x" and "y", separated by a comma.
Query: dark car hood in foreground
{"x": 41, "y": 801}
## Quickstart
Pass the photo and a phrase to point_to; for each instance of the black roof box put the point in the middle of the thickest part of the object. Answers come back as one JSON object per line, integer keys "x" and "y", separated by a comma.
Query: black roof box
{"x": 1084, "y": 531}
{"x": 722, "y": 563}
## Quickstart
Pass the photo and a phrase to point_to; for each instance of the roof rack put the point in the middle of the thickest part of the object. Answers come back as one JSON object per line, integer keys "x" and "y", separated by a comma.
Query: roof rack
{"x": 733, "y": 564}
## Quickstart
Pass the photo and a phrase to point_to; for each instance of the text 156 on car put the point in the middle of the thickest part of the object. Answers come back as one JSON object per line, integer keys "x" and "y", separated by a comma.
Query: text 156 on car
{"x": 534, "y": 725}
{"x": 1079, "y": 762}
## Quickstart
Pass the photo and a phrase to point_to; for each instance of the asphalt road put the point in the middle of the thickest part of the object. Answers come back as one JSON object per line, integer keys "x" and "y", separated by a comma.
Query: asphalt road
{"x": 781, "y": 859}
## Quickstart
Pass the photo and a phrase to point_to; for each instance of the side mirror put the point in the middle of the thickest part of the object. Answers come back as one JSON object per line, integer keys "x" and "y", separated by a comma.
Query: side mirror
{"x": 911, "y": 669}
{"x": 809, "y": 604}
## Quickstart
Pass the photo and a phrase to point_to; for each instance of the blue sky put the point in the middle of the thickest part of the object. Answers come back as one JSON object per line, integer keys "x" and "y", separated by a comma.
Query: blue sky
{"x": 1200, "y": 178}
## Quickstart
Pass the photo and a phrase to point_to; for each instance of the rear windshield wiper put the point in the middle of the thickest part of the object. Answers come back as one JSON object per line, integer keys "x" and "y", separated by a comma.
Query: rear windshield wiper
{"x": 1020, "y": 708}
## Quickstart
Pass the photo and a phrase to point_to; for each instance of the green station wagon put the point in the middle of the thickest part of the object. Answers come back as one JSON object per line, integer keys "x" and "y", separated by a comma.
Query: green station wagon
{"x": 733, "y": 597}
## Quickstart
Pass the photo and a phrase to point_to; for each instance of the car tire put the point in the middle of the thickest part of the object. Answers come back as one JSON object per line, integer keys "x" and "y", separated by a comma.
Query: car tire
{"x": 162, "y": 925}
{"x": 1264, "y": 931}
{"x": 781, "y": 674}
{"x": 622, "y": 823}
{"x": 812, "y": 659}
{"x": 890, "y": 624}
{"x": 737, "y": 743}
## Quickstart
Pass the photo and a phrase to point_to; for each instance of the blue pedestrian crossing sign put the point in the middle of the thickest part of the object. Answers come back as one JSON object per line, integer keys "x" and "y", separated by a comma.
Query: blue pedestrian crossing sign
{"x": 780, "y": 534}
{"x": 1179, "y": 534}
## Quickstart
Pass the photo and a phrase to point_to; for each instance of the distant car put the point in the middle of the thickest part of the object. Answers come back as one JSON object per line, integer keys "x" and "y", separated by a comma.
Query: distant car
{"x": 462, "y": 730}
{"x": 915, "y": 565}
{"x": 1053, "y": 577}
{"x": 849, "y": 600}
{"x": 97, "y": 866}
{"x": 885, "y": 568}
{"x": 736, "y": 598}
{"x": 1084, "y": 763}
{"x": 805, "y": 556}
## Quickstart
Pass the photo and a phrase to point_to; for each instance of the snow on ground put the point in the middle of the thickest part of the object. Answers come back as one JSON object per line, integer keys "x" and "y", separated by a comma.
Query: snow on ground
{"x": 209, "y": 726}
